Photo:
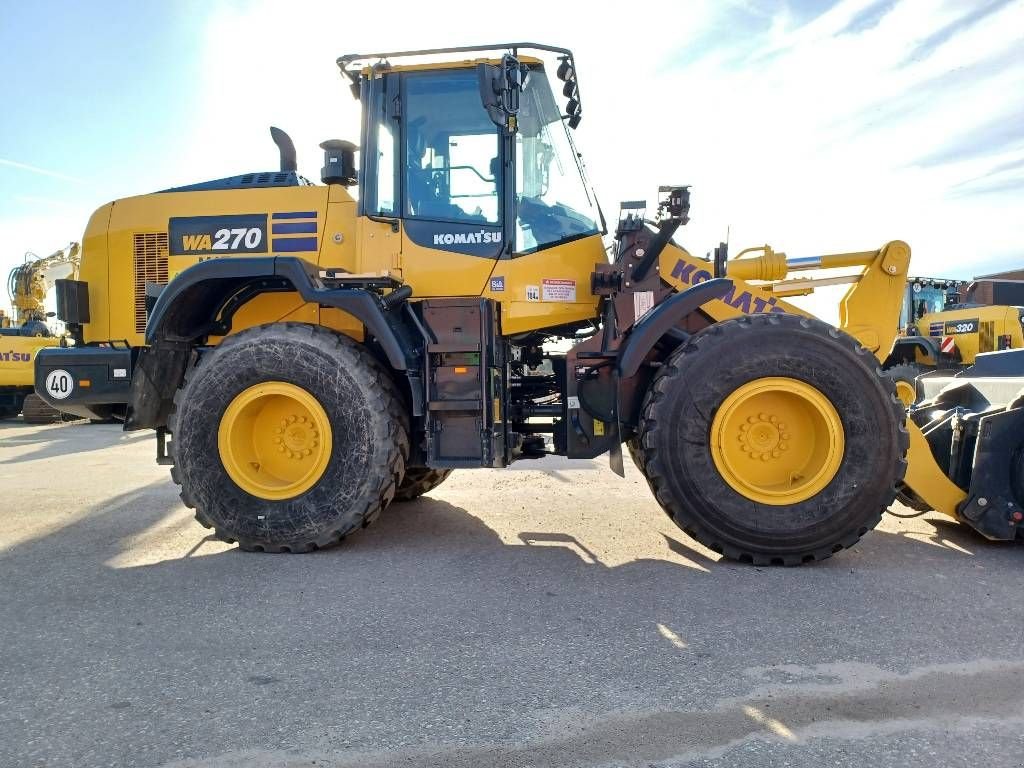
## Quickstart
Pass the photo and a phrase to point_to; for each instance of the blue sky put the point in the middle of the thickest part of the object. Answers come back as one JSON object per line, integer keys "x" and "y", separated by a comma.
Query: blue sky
{"x": 815, "y": 126}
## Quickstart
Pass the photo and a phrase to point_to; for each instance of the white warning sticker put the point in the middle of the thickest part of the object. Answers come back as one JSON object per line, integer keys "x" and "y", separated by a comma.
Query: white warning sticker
{"x": 532, "y": 293}
{"x": 643, "y": 301}
{"x": 558, "y": 290}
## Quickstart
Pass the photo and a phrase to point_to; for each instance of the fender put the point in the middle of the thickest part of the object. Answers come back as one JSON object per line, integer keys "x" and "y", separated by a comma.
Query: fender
{"x": 910, "y": 344}
{"x": 662, "y": 319}
{"x": 200, "y": 301}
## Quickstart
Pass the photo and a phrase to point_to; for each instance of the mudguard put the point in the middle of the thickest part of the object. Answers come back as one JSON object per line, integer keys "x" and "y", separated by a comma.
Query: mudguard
{"x": 189, "y": 307}
{"x": 662, "y": 319}
{"x": 904, "y": 348}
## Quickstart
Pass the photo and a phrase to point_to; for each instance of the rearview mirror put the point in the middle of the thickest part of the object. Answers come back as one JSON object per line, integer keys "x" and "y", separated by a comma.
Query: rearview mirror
{"x": 500, "y": 87}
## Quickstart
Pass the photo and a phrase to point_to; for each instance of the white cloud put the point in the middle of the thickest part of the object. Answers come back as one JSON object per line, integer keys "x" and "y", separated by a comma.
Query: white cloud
{"x": 40, "y": 171}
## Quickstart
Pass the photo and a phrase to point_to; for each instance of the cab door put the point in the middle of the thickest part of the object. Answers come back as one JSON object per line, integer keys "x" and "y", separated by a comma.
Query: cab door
{"x": 443, "y": 178}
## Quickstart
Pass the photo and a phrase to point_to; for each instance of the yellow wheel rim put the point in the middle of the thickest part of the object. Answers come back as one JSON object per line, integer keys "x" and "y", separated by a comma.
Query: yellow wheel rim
{"x": 906, "y": 391}
{"x": 275, "y": 440}
{"x": 777, "y": 441}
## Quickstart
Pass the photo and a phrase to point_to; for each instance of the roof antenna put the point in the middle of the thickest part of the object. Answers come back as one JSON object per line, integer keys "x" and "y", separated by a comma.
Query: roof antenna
{"x": 286, "y": 148}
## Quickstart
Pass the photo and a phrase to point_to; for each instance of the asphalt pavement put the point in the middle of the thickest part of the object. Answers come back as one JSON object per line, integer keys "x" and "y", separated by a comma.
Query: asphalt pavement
{"x": 544, "y": 615}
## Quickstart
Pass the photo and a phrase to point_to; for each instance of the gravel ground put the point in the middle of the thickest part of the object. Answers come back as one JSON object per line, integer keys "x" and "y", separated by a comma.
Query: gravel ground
{"x": 545, "y": 615}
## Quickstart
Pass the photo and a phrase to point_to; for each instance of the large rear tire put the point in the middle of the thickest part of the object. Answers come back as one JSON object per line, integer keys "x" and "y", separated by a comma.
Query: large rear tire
{"x": 288, "y": 437}
{"x": 34, "y": 410}
{"x": 773, "y": 439}
{"x": 420, "y": 480}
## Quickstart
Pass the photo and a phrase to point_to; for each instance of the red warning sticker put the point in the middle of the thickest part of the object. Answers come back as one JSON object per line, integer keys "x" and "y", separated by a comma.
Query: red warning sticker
{"x": 558, "y": 290}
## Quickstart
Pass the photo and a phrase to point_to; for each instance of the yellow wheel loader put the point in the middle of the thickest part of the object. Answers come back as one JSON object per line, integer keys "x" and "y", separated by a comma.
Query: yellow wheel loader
{"x": 944, "y": 327}
{"x": 20, "y": 340}
{"x": 306, "y": 356}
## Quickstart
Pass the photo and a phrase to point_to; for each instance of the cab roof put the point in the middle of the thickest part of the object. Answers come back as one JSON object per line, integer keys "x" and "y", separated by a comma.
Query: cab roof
{"x": 354, "y": 65}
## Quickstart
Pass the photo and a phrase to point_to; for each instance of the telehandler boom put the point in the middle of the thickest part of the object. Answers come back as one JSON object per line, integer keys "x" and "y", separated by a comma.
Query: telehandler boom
{"x": 307, "y": 357}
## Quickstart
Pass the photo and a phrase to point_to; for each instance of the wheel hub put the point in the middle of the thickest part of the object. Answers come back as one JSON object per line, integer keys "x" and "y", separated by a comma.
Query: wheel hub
{"x": 297, "y": 437}
{"x": 764, "y": 437}
{"x": 777, "y": 440}
{"x": 275, "y": 440}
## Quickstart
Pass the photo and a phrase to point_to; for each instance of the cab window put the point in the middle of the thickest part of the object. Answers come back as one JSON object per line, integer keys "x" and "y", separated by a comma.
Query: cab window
{"x": 451, "y": 150}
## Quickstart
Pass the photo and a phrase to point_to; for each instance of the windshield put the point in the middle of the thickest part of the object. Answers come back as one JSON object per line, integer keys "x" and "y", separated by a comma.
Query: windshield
{"x": 921, "y": 300}
{"x": 553, "y": 203}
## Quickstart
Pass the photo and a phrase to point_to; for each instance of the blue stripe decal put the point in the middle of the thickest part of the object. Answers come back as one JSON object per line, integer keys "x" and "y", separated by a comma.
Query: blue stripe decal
{"x": 294, "y": 228}
{"x": 292, "y": 244}
{"x": 295, "y": 215}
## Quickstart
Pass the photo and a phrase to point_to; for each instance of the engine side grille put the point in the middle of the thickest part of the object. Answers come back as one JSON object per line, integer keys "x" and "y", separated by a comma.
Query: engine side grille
{"x": 987, "y": 337}
{"x": 150, "y": 253}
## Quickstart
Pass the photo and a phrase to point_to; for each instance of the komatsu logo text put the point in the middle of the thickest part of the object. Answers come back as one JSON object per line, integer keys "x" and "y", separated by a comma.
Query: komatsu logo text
{"x": 15, "y": 357}
{"x": 465, "y": 238}
{"x": 744, "y": 301}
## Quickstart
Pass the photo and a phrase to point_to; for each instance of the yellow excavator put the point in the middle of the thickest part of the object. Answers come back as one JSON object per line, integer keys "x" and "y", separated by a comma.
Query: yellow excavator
{"x": 22, "y": 336}
{"x": 307, "y": 357}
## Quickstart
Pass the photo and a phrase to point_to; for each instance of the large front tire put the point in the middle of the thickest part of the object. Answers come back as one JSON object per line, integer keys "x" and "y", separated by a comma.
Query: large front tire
{"x": 288, "y": 437}
{"x": 773, "y": 439}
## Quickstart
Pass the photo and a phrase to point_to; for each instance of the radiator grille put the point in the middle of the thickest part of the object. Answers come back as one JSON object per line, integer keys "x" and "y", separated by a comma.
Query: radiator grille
{"x": 150, "y": 252}
{"x": 987, "y": 337}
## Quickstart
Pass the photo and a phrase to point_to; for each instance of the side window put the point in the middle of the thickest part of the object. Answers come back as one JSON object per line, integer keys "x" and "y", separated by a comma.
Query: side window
{"x": 386, "y": 172}
{"x": 451, "y": 150}
{"x": 381, "y": 161}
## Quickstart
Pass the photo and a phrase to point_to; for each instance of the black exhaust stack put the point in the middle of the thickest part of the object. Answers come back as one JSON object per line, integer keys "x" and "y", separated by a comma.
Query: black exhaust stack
{"x": 286, "y": 148}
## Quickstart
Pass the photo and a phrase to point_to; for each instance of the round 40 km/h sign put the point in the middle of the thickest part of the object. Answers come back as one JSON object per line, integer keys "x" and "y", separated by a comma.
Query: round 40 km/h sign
{"x": 59, "y": 384}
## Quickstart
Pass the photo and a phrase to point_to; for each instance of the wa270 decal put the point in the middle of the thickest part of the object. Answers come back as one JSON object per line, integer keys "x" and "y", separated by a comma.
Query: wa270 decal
{"x": 198, "y": 235}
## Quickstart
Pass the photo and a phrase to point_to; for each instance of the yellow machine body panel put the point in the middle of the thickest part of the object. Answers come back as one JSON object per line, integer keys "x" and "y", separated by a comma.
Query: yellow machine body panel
{"x": 17, "y": 357}
{"x": 974, "y": 330}
{"x": 868, "y": 311}
{"x": 682, "y": 270}
{"x": 143, "y": 245}
{"x": 132, "y": 242}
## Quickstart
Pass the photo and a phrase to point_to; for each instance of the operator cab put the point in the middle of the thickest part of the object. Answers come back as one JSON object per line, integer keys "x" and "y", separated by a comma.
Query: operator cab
{"x": 474, "y": 157}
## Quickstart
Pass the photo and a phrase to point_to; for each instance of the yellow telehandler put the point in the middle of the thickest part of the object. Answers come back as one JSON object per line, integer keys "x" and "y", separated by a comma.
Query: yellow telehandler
{"x": 307, "y": 357}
